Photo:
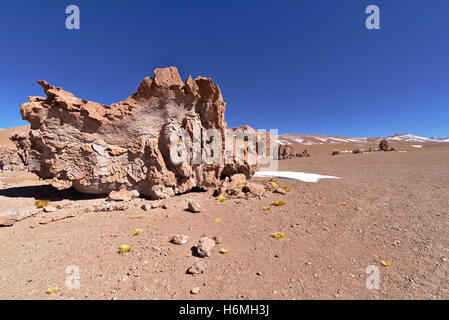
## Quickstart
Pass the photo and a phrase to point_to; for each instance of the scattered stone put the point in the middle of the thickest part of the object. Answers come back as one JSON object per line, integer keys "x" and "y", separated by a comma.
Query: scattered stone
{"x": 180, "y": 239}
{"x": 17, "y": 215}
{"x": 49, "y": 209}
{"x": 217, "y": 239}
{"x": 280, "y": 191}
{"x": 335, "y": 153}
{"x": 157, "y": 204}
{"x": 63, "y": 205}
{"x": 204, "y": 247}
{"x": 255, "y": 189}
{"x": 47, "y": 220}
{"x": 195, "y": 290}
{"x": 197, "y": 268}
{"x": 110, "y": 206}
{"x": 193, "y": 207}
{"x": 146, "y": 207}
{"x": 6, "y": 222}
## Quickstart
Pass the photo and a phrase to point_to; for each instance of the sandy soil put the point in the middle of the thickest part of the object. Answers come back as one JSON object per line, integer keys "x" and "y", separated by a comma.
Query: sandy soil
{"x": 397, "y": 211}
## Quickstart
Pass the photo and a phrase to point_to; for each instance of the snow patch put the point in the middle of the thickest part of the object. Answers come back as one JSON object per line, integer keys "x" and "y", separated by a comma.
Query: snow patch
{"x": 301, "y": 176}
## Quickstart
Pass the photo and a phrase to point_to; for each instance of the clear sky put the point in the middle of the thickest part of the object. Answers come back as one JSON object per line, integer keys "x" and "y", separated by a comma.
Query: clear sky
{"x": 301, "y": 66}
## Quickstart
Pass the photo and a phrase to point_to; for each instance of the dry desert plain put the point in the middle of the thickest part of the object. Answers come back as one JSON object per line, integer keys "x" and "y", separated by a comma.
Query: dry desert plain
{"x": 386, "y": 206}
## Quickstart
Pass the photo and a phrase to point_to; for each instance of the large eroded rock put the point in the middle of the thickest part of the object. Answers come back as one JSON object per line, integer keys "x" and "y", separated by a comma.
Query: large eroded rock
{"x": 98, "y": 148}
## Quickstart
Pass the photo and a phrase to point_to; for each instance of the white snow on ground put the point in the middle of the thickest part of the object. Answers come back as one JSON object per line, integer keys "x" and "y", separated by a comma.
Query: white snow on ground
{"x": 301, "y": 176}
{"x": 283, "y": 142}
{"x": 299, "y": 140}
{"x": 414, "y": 138}
{"x": 417, "y": 146}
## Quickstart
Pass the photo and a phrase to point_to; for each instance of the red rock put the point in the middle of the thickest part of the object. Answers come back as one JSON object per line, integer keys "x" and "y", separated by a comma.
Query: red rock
{"x": 97, "y": 148}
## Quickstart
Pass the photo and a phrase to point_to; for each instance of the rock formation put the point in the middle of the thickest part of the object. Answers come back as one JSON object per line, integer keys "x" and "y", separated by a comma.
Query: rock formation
{"x": 286, "y": 152}
{"x": 384, "y": 145}
{"x": 98, "y": 148}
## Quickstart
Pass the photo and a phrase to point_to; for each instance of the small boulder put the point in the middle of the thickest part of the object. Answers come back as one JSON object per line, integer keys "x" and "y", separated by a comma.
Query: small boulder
{"x": 193, "y": 206}
{"x": 204, "y": 247}
{"x": 195, "y": 290}
{"x": 146, "y": 207}
{"x": 255, "y": 189}
{"x": 157, "y": 204}
{"x": 6, "y": 222}
{"x": 197, "y": 268}
{"x": 180, "y": 239}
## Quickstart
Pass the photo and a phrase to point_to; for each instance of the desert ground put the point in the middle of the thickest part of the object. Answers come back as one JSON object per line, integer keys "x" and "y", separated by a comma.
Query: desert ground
{"x": 388, "y": 209}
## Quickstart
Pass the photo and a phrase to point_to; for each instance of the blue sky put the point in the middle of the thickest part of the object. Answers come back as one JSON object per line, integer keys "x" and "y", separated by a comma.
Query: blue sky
{"x": 302, "y": 66}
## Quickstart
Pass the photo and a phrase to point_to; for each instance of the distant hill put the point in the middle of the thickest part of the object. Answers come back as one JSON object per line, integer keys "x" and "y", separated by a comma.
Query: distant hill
{"x": 317, "y": 139}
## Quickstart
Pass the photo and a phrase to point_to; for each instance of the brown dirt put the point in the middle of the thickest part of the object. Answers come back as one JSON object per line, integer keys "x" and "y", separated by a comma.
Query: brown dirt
{"x": 396, "y": 211}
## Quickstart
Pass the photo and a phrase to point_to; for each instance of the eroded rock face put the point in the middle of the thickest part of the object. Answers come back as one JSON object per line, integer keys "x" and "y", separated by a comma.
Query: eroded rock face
{"x": 10, "y": 160}
{"x": 98, "y": 148}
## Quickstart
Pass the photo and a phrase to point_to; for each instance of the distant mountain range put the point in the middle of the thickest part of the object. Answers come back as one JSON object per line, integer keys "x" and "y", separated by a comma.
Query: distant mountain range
{"x": 316, "y": 139}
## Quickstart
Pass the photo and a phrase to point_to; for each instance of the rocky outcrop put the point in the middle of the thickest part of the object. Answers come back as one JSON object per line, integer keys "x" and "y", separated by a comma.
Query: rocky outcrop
{"x": 384, "y": 145}
{"x": 129, "y": 145}
{"x": 286, "y": 152}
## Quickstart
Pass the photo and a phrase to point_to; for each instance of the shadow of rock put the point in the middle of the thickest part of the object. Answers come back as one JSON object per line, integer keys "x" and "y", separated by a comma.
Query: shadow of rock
{"x": 47, "y": 192}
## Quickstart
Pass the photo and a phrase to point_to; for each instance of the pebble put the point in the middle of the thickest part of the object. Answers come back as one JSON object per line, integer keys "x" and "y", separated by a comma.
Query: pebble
{"x": 197, "y": 268}
{"x": 195, "y": 290}
{"x": 180, "y": 239}
{"x": 193, "y": 207}
{"x": 204, "y": 247}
